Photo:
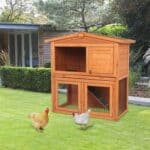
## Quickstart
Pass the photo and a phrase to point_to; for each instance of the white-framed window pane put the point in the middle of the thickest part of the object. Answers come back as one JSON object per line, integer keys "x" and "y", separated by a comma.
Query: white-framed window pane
{"x": 12, "y": 48}
{"x": 19, "y": 51}
{"x": 26, "y": 49}
{"x": 34, "y": 38}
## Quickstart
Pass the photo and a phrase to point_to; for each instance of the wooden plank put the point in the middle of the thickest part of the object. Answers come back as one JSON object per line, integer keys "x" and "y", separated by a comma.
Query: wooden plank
{"x": 53, "y": 81}
{"x": 116, "y": 59}
{"x": 103, "y": 60}
{"x": 123, "y": 60}
{"x": 81, "y": 45}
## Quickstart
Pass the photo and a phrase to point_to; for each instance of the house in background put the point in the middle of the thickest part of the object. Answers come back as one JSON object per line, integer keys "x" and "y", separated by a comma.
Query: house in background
{"x": 25, "y": 43}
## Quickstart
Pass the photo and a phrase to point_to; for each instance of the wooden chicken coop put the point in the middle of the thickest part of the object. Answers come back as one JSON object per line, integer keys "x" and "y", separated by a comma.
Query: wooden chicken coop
{"x": 90, "y": 71}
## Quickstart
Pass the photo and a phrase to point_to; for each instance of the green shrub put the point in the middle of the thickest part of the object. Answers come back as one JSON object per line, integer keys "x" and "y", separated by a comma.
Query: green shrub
{"x": 47, "y": 65}
{"x": 34, "y": 79}
{"x": 133, "y": 77}
{"x": 110, "y": 29}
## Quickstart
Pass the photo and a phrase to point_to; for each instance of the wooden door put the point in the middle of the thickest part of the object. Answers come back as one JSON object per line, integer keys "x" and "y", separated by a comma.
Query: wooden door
{"x": 101, "y": 60}
{"x": 67, "y": 97}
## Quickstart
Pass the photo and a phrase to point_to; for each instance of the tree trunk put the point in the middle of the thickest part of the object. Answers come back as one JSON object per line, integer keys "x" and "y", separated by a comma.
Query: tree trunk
{"x": 83, "y": 17}
{"x": 84, "y": 22}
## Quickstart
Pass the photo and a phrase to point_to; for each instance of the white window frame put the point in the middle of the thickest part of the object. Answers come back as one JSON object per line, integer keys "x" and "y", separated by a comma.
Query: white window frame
{"x": 22, "y": 33}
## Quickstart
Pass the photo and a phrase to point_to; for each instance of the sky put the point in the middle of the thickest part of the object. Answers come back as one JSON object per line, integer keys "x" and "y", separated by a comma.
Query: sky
{"x": 2, "y": 3}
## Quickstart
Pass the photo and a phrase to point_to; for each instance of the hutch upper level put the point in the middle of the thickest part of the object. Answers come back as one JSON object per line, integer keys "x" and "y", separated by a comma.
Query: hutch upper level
{"x": 88, "y": 54}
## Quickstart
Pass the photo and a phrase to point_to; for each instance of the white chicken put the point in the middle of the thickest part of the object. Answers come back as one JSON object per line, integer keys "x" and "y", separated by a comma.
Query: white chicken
{"x": 82, "y": 119}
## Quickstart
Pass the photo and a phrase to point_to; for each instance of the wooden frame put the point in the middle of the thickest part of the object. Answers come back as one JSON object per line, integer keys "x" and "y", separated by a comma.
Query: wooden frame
{"x": 103, "y": 85}
{"x": 62, "y": 81}
{"x": 107, "y": 64}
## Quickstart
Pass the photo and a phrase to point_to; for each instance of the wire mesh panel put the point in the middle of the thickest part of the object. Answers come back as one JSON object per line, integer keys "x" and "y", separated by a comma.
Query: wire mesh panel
{"x": 68, "y": 96}
{"x": 98, "y": 98}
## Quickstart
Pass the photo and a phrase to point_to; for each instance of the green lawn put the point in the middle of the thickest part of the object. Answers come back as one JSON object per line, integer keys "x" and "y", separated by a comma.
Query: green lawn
{"x": 132, "y": 132}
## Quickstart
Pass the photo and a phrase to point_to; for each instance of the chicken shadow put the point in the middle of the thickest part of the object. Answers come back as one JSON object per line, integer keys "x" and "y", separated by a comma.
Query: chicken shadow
{"x": 37, "y": 130}
{"x": 84, "y": 128}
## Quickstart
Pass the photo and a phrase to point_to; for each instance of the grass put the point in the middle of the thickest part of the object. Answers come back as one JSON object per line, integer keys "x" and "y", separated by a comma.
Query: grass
{"x": 132, "y": 132}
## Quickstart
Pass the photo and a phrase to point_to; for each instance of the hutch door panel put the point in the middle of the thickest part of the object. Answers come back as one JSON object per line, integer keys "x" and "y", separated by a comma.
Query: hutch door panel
{"x": 98, "y": 97}
{"x": 101, "y": 60}
{"x": 67, "y": 96}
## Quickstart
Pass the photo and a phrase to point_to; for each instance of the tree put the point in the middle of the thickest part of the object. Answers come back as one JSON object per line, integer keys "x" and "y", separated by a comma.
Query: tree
{"x": 136, "y": 15}
{"x": 73, "y": 13}
{"x": 13, "y": 11}
{"x": 20, "y": 11}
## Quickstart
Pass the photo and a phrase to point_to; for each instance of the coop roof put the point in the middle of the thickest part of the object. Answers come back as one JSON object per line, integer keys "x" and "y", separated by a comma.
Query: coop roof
{"x": 91, "y": 35}
{"x": 14, "y": 26}
{"x": 28, "y": 26}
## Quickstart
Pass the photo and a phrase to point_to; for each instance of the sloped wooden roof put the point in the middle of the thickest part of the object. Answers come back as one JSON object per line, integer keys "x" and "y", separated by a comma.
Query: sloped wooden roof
{"x": 95, "y": 36}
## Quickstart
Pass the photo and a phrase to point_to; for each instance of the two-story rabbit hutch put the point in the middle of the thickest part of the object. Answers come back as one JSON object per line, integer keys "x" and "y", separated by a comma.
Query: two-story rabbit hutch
{"x": 90, "y": 71}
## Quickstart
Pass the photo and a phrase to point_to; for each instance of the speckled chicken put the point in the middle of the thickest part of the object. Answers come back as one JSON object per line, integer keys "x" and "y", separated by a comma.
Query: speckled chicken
{"x": 82, "y": 119}
{"x": 39, "y": 120}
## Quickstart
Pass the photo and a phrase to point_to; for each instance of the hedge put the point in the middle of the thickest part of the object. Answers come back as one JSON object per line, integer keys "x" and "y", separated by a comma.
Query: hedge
{"x": 110, "y": 30}
{"x": 34, "y": 79}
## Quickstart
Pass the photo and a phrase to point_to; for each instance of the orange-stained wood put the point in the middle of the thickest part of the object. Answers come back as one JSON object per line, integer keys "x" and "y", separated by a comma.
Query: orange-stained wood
{"x": 98, "y": 66}
{"x": 82, "y": 35}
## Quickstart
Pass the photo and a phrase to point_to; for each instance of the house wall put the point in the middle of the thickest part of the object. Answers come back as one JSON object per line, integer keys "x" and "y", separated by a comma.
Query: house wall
{"x": 44, "y": 48}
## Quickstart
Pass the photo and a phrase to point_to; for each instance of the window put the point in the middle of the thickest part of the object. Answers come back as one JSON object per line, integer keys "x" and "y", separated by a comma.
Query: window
{"x": 23, "y": 49}
{"x": 26, "y": 49}
{"x": 12, "y": 49}
{"x": 34, "y": 38}
{"x": 19, "y": 51}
